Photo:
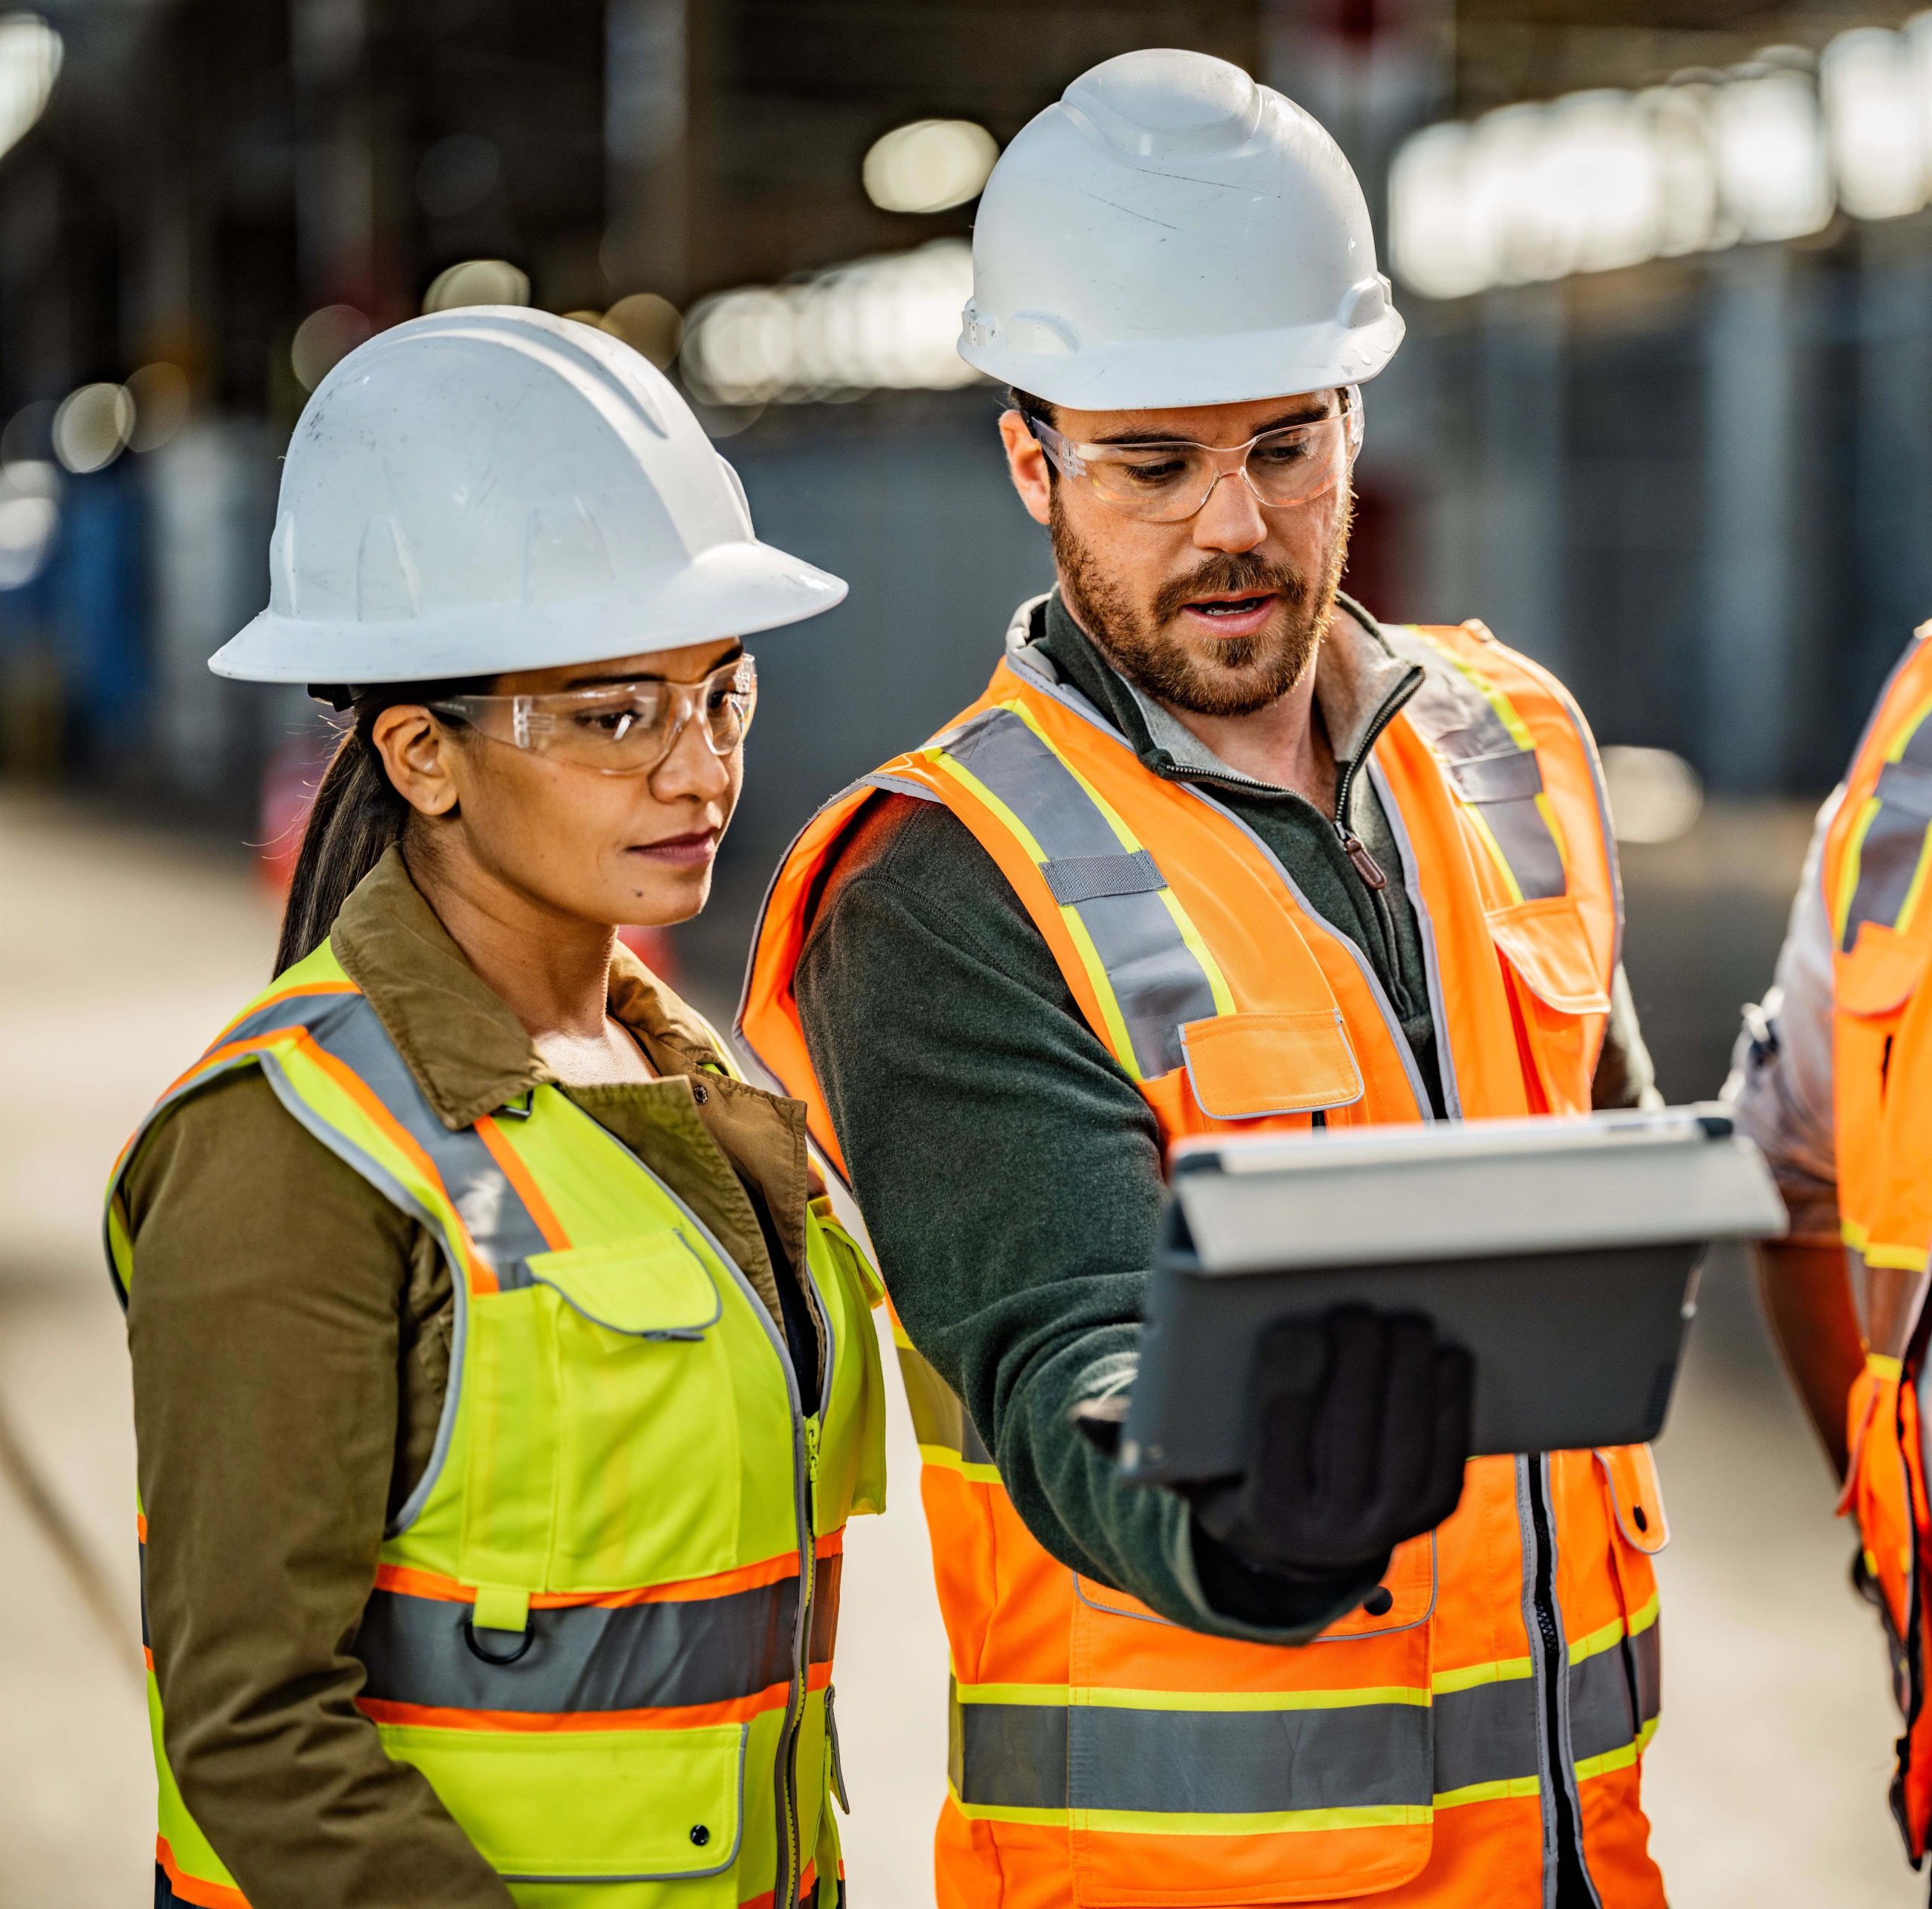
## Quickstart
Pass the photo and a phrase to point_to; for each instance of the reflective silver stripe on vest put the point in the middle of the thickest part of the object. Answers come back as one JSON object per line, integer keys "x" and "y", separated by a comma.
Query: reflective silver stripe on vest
{"x": 1205, "y": 1762}
{"x": 656, "y": 1656}
{"x": 1889, "y": 850}
{"x": 345, "y": 1026}
{"x": 1116, "y": 892}
{"x": 1017, "y": 1756}
{"x": 1646, "y": 1658}
{"x": 1486, "y": 1734}
{"x": 1491, "y": 771}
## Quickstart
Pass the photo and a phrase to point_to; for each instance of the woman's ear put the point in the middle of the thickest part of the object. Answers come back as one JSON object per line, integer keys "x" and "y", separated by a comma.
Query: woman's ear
{"x": 419, "y": 754}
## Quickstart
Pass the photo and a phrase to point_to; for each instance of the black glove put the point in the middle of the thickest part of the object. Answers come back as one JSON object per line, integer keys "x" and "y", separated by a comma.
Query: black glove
{"x": 1358, "y": 1433}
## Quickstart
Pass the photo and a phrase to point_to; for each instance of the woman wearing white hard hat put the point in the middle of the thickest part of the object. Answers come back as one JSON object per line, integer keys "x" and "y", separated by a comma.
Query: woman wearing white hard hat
{"x": 502, "y": 1382}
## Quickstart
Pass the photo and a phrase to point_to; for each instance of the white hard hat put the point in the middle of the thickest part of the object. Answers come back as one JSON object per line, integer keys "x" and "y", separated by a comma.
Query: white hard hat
{"x": 494, "y": 489}
{"x": 1170, "y": 233}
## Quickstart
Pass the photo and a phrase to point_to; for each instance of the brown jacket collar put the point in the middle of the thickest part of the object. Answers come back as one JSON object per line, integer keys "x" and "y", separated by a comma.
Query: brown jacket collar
{"x": 468, "y": 1052}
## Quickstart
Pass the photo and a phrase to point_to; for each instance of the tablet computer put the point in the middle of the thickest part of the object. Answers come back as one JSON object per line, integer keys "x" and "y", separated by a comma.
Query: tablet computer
{"x": 1563, "y": 1254}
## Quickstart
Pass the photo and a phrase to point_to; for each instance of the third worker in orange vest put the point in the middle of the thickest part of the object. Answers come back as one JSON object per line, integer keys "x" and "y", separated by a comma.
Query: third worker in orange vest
{"x": 1217, "y": 853}
{"x": 1834, "y": 1081}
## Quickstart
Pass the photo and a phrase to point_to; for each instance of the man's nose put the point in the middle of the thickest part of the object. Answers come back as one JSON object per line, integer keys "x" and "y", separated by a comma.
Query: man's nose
{"x": 1231, "y": 519}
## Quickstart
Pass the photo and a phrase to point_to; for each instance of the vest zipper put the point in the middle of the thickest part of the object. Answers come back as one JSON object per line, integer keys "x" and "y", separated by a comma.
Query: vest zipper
{"x": 808, "y": 1428}
{"x": 1573, "y": 1884}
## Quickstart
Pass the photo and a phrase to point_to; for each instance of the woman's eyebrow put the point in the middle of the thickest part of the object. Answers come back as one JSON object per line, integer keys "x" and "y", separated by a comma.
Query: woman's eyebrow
{"x": 647, "y": 676}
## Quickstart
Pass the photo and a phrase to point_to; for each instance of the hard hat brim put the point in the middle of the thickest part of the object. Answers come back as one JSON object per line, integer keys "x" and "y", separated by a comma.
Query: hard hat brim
{"x": 732, "y": 589}
{"x": 1168, "y": 373}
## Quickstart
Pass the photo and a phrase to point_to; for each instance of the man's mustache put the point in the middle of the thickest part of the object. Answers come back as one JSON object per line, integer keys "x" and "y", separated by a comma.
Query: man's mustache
{"x": 1230, "y": 573}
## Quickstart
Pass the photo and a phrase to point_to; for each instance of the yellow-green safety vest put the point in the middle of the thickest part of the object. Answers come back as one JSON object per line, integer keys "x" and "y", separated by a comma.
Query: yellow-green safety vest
{"x": 601, "y": 1625}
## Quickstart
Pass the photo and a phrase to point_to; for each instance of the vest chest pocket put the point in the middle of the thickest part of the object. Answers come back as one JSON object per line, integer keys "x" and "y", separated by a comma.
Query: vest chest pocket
{"x": 603, "y": 1433}
{"x": 1872, "y": 985}
{"x": 1557, "y": 989}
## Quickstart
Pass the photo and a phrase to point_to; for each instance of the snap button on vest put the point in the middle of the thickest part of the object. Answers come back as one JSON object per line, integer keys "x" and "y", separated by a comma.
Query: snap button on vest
{"x": 700, "y": 1092}
{"x": 700, "y": 1835}
{"x": 1379, "y": 1601}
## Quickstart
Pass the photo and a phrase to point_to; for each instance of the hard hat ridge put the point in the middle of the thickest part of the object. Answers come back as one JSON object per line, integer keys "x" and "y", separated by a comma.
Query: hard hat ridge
{"x": 494, "y": 488}
{"x": 1171, "y": 233}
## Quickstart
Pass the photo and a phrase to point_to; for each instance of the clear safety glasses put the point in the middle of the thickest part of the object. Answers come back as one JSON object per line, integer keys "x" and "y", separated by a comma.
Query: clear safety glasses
{"x": 625, "y": 729}
{"x": 1166, "y": 480}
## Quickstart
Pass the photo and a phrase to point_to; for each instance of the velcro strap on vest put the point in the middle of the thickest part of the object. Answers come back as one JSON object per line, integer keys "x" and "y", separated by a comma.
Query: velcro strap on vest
{"x": 1906, "y": 785}
{"x": 1509, "y": 776}
{"x": 1077, "y": 878}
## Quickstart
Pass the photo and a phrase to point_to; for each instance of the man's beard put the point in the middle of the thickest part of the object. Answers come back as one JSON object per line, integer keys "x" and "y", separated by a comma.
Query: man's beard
{"x": 1240, "y": 674}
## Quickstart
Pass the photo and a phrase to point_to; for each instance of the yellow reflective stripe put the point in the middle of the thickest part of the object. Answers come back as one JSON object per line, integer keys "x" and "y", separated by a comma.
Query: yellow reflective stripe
{"x": 1853, "y": 1235}
{"x": 1140, "y": 1822}
{"x": 1649, "y": 1730}
{"x": 1118, "y": 1037}
{"x": 1507, "y": 1670}
{"x": 1270, "y": 1822}
{"x": 1055, "y": 1696}
{"x": 948, "y": 1459}
{"x": 1217, "y": 983}
{"x": 1646, "y": 1616}
{"x": 1623, "y": 1759}
{"x": 1848, "y": 870}
{"x": 1105, "y": 1697}
{"x": 998, "y": 1812}
{"x": 1882, "y": 1365}
{"x": 1520, "y": 735}
{"x": 1606, "y": 1637}
{"x": 1472, "y": 814}
{"x": 1496, "y": 1792}
{"x": 1901, "y": 1259}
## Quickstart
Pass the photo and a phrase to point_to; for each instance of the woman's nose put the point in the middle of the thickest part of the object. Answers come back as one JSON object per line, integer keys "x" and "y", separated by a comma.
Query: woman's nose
{"x": 691, "y": 769}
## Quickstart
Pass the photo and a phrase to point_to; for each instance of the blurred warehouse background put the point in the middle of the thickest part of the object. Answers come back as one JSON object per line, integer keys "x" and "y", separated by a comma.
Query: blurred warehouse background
{"x": 1664, "y": 420}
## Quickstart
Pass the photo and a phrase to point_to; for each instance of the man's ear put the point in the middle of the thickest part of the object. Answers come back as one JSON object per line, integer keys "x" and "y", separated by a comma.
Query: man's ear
{"x": 1026, "y": 465}
{"x": 416, "y": 750}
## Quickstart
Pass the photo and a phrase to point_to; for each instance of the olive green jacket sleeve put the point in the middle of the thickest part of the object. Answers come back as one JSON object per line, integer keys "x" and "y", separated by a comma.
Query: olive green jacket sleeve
{"x": 280, "y": 1313}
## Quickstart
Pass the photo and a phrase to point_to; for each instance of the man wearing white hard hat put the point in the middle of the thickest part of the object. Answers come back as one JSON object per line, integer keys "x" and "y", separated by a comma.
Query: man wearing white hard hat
{"x": 1218, "y": 853}
{"x": 502, "y": 1383}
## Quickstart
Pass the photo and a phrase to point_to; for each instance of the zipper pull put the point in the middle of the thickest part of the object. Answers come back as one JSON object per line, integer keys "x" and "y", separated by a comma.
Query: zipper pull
{"x": 1365, "y": 864}
{"x": 811, "y": 1450}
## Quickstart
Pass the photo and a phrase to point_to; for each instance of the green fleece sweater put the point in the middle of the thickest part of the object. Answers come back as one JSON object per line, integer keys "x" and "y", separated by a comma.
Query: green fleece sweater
{"x": 1009, "y": 1170}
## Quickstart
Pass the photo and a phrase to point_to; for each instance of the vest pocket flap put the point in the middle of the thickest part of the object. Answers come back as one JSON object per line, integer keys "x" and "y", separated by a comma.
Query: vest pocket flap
{"x": 1881, "y": 973}
{"x": 654, "y": 1287}
{"x": 1545, "y": 941}
{"x": 1637, "y": 1499}
{"x": 590, "y": 1806}
{"x": 1243, "y": 1067}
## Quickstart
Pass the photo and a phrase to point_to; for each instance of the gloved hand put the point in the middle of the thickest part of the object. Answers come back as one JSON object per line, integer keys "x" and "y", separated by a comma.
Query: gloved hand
{"x": 1358, "y": 1434}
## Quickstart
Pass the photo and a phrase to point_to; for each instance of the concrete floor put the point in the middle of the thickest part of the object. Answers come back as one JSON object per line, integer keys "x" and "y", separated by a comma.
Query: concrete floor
{"x": 121, "y": 950}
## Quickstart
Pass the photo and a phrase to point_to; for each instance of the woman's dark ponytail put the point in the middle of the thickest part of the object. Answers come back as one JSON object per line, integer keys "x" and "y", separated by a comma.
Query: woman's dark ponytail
{"x": 357, "y": 817}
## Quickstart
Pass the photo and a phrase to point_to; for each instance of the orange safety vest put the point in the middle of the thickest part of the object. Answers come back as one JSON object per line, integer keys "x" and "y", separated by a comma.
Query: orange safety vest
{"x": 1101, "y": 1755}
{"x": 1874, "y": 868}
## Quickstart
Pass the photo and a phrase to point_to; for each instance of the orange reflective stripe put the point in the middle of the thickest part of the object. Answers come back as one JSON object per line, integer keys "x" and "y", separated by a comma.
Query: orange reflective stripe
{"x": 194, "y": 1889}
{"x": 413, "y": 1582}
{"x": 685, "y": 1717}
{"x": 481, "y": 1276}
{"x": 505, "y": 1156}
{"x": 308, "y": 988}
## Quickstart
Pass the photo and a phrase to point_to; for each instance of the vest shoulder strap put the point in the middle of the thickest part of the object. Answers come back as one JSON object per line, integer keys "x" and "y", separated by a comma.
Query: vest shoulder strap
{"x": 1876, "y": 863}
{"x": 1474, "y": 720}
{"x": 335, "y": 1069}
